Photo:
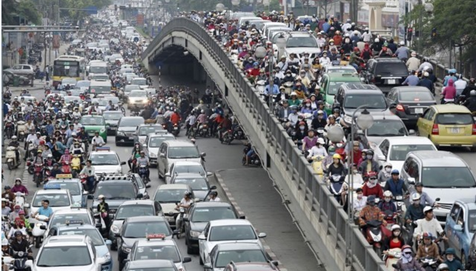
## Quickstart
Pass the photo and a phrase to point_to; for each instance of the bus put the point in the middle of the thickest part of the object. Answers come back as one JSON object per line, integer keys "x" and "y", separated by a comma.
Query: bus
{"x": 97, "y": 67}
{"x": 68, "y": 66}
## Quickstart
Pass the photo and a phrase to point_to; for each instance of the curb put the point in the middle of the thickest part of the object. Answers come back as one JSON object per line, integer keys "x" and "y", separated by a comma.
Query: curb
{"x": 241, "y": 213}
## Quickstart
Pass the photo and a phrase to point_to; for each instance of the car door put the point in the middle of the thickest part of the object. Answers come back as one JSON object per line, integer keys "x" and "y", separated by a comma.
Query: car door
{"x": 451, "y": 222}
{"x": 425, "y": 122}
{"x": 383, "y": 151}
{"x": 202, "y": 244}
{"x": 162, "y": 157}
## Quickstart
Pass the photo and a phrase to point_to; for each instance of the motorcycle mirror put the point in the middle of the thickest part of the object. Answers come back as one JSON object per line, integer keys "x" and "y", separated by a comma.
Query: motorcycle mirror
{"x": 43, "y": 227}
{"x": 148, "y": 186}
{"x": 213, "y": 187}
{"x": 437, "y": 199}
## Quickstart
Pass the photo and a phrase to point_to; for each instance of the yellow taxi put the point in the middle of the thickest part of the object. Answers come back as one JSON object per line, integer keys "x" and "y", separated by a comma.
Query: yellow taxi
{"x": 448, "y": 125}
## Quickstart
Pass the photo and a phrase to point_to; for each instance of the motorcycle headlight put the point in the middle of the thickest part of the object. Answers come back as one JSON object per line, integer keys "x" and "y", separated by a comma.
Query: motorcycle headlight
{"x": 115, "y": 229}
{"x": 194, "y": 234}
{"x": 126, "y": 249}
{"x": 145, "y": 101}
{"x": 153, "y": 154}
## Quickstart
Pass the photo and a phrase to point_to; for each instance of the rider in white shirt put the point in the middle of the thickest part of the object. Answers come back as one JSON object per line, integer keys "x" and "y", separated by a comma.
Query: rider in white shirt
{"x": 214, "y": 196}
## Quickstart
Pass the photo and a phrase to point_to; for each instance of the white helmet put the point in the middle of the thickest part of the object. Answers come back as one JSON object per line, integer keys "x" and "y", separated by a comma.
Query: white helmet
{"x": 387, "y": 164}
{"x": 377, "y": 40}
{"x": 402, "y": 43}
{"x": 427, "y": 209}
{"x": 101, "y": 197}
{"x": 320, "y": 140}
{"x": 14, "y": 137}
{"x": 387, "y": 193}
{"x": 395, "y": 227}
{"x": 416, "y": 196}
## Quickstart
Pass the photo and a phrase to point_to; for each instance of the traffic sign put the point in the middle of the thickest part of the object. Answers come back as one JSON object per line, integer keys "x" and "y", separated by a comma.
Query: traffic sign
{"x": 91, "y": 10}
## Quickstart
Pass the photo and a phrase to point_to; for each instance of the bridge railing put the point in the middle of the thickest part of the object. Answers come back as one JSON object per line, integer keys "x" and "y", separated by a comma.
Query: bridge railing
{"x": 333, "y": 221}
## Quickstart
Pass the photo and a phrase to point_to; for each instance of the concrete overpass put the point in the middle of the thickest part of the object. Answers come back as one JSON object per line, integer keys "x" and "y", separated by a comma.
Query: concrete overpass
{"x": 185, "y": 48}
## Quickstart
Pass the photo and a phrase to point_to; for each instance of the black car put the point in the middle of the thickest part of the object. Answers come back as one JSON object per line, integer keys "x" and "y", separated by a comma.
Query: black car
{"x": 200, "y": 214}
{"x": 410, "y": 102}
{"x": 138, "y": 227}
{"x": 112, "y": 119}
{"x": 385, "y": 72}
{"x": 126, "y": 129}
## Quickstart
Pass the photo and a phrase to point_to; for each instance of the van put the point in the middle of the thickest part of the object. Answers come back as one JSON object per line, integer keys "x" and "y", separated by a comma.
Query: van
{"x": 100, "y": 87}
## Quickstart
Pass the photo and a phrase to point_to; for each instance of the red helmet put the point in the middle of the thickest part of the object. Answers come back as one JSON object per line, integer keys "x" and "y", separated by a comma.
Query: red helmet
{"x": 372, "y": 174}
{"x": 302, "y": 123}
{"x": 356, "y": 49}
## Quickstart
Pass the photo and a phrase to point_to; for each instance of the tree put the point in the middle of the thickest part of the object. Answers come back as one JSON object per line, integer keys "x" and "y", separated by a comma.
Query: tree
{"x": 25, "y": 9}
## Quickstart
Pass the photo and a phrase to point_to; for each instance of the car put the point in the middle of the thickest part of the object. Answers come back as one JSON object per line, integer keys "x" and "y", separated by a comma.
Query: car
{"x": 199, "y": 183}
{"x": 225, "y": 231}
{"x": 172, "y": 151}
{"x": 385, "y": 72}
{"x": 93, "y": 124}
{"x": 100, "y": 244}
{"x": 104, "y": 101}
{"x": 72, "y": 99}
{"x": 59, "y": 198}
{"x": 394, "y": 150}
{"x": 224, "y": 254}
{"x": 105, "y": 161}
{"x": 137, "y": 100}
{"x": 75, "y": 187}
{"x": 460, "y": 228}
{"x": 167, "y": 195}
{"x": 130, "y": 76}
{"x": 116, "y": 190}
{"x": 73, "y": 216}
{"x": 386, "y": 125}
{"x": 111, "y": 118}
{"x": 180, "y": 167}
{"x": 8, "y": 78}
{"x": 340, "y": 69}
{"x": 126, "y": 129}
{"x": 68, "y": 81}
{"x": 132, "y": 208}
{"x": 251, "y": 266}
{"x": 22, "y": 69}
{"x": 448, "y": 125}
{"x": 299, "y": 42}
{"x": 139, "y": 182}
{"x": 200, "y": 214}
{"x": 140, "y": 81}
{"x": 471, "y": 263}
{"x": 128, "y": 89}
{"x": 150, "y": 265}
{"x": 408, "y": 103}
{"x": 153, "y": 142}
{"x": 156, "y": 247}
{"x": 330, "y": 85}
{"x": 100, "y": 87}
{"x": 73, "y": 252}
{"x": 144, "y": 129}
{"x": 138, "y": 227}
{"x": 443, "y": 174}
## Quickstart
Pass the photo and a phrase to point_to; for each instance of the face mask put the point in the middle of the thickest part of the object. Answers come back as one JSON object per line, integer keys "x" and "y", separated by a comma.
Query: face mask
{"x": 388, "y": 169}
{"x": 407, "y": 255}
{"x": 387, "y": 199}
{"x": 369, "y": 157}
{"x": 360, "y": 196}
{"x": 450, "y": 258}
{"x": 373, "y": 181}
{"x": 288, "y": 74}
{"x": 301, "y": 127}
{"x": 308, "y": 105}
{"x": 355, "y": 171}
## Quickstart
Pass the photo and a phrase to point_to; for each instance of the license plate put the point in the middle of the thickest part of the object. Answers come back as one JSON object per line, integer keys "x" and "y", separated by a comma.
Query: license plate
{"x": 391, "y": 81}
{"x": 175, "y": 128}
{"x": 454, "y": 130}
{"x": 418, "y": 110}
{"x": 113, "y": 128}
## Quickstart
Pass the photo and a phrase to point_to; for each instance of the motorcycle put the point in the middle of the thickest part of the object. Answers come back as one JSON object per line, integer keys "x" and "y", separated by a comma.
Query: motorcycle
{"x": 143, "y": 173}
{"x": 11, "y": 158}
{"x": 20, "y": 200}
{"x": 20, "y": 262}
{"x": 30, "y": 166}
{"x": 374, "y": 235}
{"x": 9, "y": 129}
{"x": 176, "y": 129}
{"x": 260, "y": 86}
{"x": 181, "y": 215}
{"x": 430, "y": 264}
{"x": 38, "y": 174}
{"x": 39, "y": 229}
{"x": 21, "y": 130}
{"x": 288, "y": 87}
{"x": 227, "y": 137}
{"x": 47, "y": 172}
{"x": 65, "y": 167}
{"x": 238, "y": 133}
{"x": 392, "y": 257}
{"x": 337, "y": 186}
{"x": 203, "y": 130}
{"x": 316, "y": 162}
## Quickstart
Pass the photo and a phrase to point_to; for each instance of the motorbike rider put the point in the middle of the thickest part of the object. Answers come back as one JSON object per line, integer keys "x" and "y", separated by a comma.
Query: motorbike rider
{"x": 110, "y": 106}
{"x": 452, "y": 263}
{"x": 174, "y": 119}
{"x": 190, "y": 121}
{"x": 143, "y": 160}
{"x": 428, "y": 224}
{"x": 15, "y": 213}
{"x": 24, "y": 221}
{"x": 372, "y": 187}
{"x": 20, "y": 244}
{"x": 370, "y": 212}
{"x": 425, "y": 199}
{"x": 309, "y": 141}
{"x": 337, "y": 167}
{"x": 88, "y": 170}
{"x": 16, "y": 144}
{"x": 318, "y": 149}
{"x": 95, "y": 109}
{"x": 428, "y": 248}
{"x": 369, "y": 164}
{"x": 45, "y": 210}
{"x": 19, "y": 187}
{"x": 97, "y": 141}
{"x": 414, "y": 212}
{"x": 470, "y": 103}
{"x": 103, "y": 210}
{"x": 395, "y": 184}
{"x": 5, "y": 207}
{"x": 134, "y": 155}
{"x": 407, "y": 261}
{"x": 319, "y": 121}
{"x": 213, "y": 196}
{"x": 66, "y": 157}
{"x": 55, "y": 171}
{"x": 224, "y": 125}
{"x": 395, "y": 241}
{"x": 387, "y": 204}
{"x": 185, "y": 203}
{"x": 32, "y": 138}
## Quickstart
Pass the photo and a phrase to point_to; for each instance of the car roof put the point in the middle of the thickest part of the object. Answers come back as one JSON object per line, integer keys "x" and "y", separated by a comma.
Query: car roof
{"x": 299, "y": 34}
{"x": 151, "y": 263}
{"x": 173, "y": 186}
{"x": 238, "y": 245}
{"x": 65, "y": 240}
{"x": 149, "y": 124}
{"x": 410, "y": 89}
{"x": 227, "y": 222}
{"x": 161, "y": 135}
{"x": 388, "y": 59}
{"x": 187, "y": 163}
{"x": 188, "y": 175}
{"x": 52, "y": 191}
{"x": 356, "y": 87}
{"x": 383, "y": 116}
{"x": 469, "y": 205}
{"x": 76, "y": 226}
{"x": 179, "y": 143}
{"x": 128, "y": 117}
{"x": 112, "y": 112}
{"x": 73, "y": 180}
{"x": 104, "y": 151}
{"x": 343, "y": 77}
{"x": 451, "y": 108}
{"x": 92, "y": 116}
{"x": 71, "y": 211}
{"x": 138, "y": 202}
{"x": 145, "y": 219}
{"x": 408, "y": 140}
{"x": 439, "y": 158}
{"x": 205, "y": 204}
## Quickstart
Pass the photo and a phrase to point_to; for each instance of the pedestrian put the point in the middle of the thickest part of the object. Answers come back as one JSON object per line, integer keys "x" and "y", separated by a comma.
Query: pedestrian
{"x": 47, "y": 73}
{"x": 103, "y": 210}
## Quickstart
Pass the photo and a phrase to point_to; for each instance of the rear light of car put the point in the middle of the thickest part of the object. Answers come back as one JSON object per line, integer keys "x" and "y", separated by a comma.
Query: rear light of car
{"x": 435, "y": 130}
{"x": 474, "y": 129}
{"x": 400, "y": 108}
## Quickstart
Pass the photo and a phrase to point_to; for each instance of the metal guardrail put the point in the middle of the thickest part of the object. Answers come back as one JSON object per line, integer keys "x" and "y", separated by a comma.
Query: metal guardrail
{"x": 333, "y": 221}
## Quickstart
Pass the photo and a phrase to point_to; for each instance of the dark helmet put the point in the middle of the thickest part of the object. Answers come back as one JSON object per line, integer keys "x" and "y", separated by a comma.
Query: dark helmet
{"x": 18, "y": 233}
{"x": 6, "y": 187}
{"x": 370, "y": 152}
{"x": 214, "y": 193}
{"x": 188, "y": 194}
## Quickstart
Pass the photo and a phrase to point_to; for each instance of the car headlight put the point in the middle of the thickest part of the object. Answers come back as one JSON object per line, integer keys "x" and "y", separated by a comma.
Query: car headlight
{"x": 126, "y": 249}
{"x": 348, "y": 119}
{"x": 115, "y": 229}
{"x": 107, "y": 257}
{"x": 102, "y": 130}
{"x": 119, "y": 133}
{"x": 145, "y": 101}
{"x": 153, "y": 154}
{"x": 194, "y": 234}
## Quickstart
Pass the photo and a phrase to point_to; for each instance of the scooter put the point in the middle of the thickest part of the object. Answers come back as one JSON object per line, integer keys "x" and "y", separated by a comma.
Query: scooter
{"x": 238, "y": 133}
{"x": 337, "y": 186}
{"x": 20, "y": 262}
{"x": 21, "y": 130}
{"x": 374, "y": 235}
{"x": 260, "y": 86}
{"x": 203, "y": 130}
{"x": 143, "y": 173}
{"x": 392, "y": 257}
{"x": 20, "y": 200}
{"x": 11, "y": 158}
{"x": 430, "y": 264}
{"x": 66, "y": 168}
{"x": 38, "y": 174}
{"x": 288, "y": 87}
{"x": 227, "y": 137}
{"x": 317, "y": 164}
{"x": 176, "y": 129}
{"x": 181, "y": 215}
{"x": 39, "y": 229}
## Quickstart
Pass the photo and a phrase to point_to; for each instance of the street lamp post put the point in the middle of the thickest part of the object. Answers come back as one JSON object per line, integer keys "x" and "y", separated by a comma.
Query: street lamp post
{"x": 261, "y": 52}
{"x": 364, "y": 121}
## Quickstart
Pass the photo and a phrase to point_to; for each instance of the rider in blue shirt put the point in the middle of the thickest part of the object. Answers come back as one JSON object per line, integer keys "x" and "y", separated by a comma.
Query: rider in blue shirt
{"x": 44, "y": 210}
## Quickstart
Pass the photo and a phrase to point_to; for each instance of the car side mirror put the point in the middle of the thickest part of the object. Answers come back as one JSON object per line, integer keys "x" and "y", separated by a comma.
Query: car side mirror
{"x": 185, "y": 219}
{"x": 125, "y": 260}
{"x": 261, "y": 235}
{"x": 203, "y": 154}
{"x": 148, "y": 186}
{"x": 412, "y": 132}
{"x": 43, "y": 227}
{"x": 209, "y": 174}
{"x": 381, "y": 157}
{"x": 242, "y": 217}
{"x": 186, "y": 260}
{"x": 207, "y": 266}
{"x": 275, "y": 263}
{"x": 458, "y": 228}
{"x": 90, "y": 196}
{"x": 437, "y": 199}
{"x": 108, "y": 242}
{"x": 26, "y": 205}
{"x": 213, "y": 187}
{"x": 411, "y": 180}
{"x": 202, "y": 237}
{"x": 123, "y": 163}
{"x": 117, "y": 234}
{"x": 175, "y": 232}
{"x": 98, "y": 225}
{"x": 139, "y": 196}
{"x": 392, "y": 105}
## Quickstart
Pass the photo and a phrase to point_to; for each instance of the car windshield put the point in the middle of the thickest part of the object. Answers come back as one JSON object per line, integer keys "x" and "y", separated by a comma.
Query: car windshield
{"x": 447, "y": 177}
{"x": 69, "y": 99}
{"x": 472, "y": 221}
{"x": 333, "y": 87}
{"x": 91, "y": 233}
{"x": 63, "y": 219}
{"x": 134, "y": 210}
{"x": 139, "y": 81}
{"x": 92, "y": 121}
{"x": 198, "y": 168}
{"x": 212, "y": 213}
{"x": 141, "y": 229}
{"x": 399, "y": 152}
{"x": 98, "y": 69}
{"x": 73, "y": 187}
{"x": 131, "y": 87}
{"x": 145, "y": 130}
{"x": 68, "y": 81}
{"x": 156, "y": 141}
{"x": 372, "y": 101}
{"x": 112, "y": 116}
{"x": 83, "y": 83}
{"x": 454, "y": 118}
{"x": 157, "y": 253}
{"x": 56, "y": 200}
{"x": 138, "y": 94}
{"x": 64, "y": 256}
{"x": 232, "y": 232}
{"x": 341, "y": 70}
{"x": 100, "y": 102}
{"x": 100, "y": 89}
{"x": 391, "y": 68}
{"x": 299, "y": 42}
{"x": 131, "y": 122}
{"x": 116, "y": 191}
{"x": 416, "y": 96}
{"x": 99, "y": 159}
{"x": 194, "y": 183}
{"x": 239, "y": 256}
{"x": 387, "y": 128}
{"x": 169, "y": 195}
{"x": 183, "y": 152}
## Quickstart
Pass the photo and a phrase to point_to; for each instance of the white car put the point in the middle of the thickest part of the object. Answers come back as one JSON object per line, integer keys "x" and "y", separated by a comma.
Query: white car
{"x": 59, "y": 198}
{"x": 71, "y": 217}
{"x": 186, "y": 167}
{"x": 225, "y": 231}
{"x": 106, "y": 161}
{"x": 172, "y": 151}
{"x": 72, "y": 253}
{"x": 153, "y": 142}
{"x": 394, "y": 150}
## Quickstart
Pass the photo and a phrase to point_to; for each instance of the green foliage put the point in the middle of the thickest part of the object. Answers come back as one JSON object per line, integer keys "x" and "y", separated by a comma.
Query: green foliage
{"x": 25, "y": 9}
